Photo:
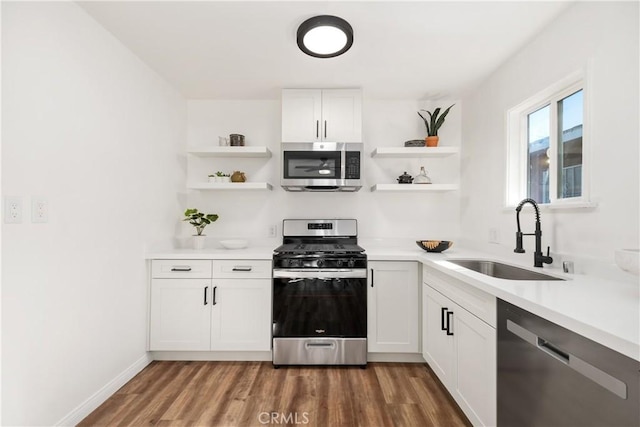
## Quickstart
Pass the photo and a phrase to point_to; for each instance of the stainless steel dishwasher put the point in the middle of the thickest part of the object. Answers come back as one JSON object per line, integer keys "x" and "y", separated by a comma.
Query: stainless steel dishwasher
{"x": 549, "y": 376}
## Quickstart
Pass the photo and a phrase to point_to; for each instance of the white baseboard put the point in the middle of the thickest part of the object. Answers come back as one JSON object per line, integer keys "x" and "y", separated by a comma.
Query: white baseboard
{"x": 99, "y": 397}
{"x": 395, "y": 357}
{"x": 244, "y": 356}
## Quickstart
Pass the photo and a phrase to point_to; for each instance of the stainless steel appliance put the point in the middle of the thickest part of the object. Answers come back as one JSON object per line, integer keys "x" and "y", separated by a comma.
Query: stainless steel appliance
{"x": 321, "y": 166}
{"x": 319, "y": 294}
{"x": 550, "y": 376}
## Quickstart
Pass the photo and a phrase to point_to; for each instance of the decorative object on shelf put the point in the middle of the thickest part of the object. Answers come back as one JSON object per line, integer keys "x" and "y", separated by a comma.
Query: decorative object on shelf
{"x": 434, "y": 245}
{"x": 220, "y": 177}
{"x": 234, "y": 244}
{"x": 415, "y": 143}
{"x": 422, "y": 177}
{"x": 236, "y": 140}
{"x": 223, "y": 141}
{"x": 199, "y": 221}
{"x": 238, "y": 176}
{"x": 405, "y": 178}
{"x": 433, "y": 124}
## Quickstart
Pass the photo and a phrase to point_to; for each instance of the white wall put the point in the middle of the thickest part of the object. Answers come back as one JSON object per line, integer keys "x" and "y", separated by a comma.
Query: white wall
{"x": 386, "y": 123}
{"x": 603, "y": 38}
{"x": 98, "y": 134}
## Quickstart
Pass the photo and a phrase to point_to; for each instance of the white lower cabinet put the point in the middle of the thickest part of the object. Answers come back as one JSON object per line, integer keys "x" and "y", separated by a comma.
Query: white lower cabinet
{"x": 228, "y": 310}
{"x": 241, "y": 314}
{"x": 461, "y": 350}
{"x": 180, "y": 319}
{"x": 393, "y": 307}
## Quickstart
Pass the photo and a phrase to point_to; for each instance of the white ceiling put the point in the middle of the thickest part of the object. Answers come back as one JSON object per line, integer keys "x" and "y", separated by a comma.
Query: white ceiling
{"x": 247, "y": 50}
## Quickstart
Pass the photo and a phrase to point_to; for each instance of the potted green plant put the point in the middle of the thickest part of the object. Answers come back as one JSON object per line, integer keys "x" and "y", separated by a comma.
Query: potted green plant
{"x": 199, "y": 220}
{"x": 433, "y": 124}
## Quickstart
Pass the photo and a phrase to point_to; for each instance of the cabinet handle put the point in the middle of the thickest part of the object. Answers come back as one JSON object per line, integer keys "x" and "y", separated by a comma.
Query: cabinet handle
{"x": 241, "y": 268}
{"x": 181, "y": 268}
{"x": 317, "y": 128}
{"x": 325, "y": 128}
{"x": 443, "y": 315}
{"x": 214, "y": 296}
{"x": 206, "y": 291}
{"x": 449, "y": 318}
{"x": 372, "y": 277}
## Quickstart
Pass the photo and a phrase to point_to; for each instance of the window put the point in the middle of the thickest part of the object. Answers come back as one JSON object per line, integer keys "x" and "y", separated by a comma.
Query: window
{"x": 546, "y": 146}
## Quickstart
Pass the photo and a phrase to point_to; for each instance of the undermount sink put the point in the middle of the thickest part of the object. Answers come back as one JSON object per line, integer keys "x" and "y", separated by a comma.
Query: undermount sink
{"x": 501, "y": 271}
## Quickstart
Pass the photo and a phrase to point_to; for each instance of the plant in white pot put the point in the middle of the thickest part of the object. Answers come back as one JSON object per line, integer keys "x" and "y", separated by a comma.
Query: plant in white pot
{"x": 199, "y": 221}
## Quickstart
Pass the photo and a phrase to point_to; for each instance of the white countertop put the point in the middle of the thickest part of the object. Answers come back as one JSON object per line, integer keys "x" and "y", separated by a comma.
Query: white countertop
{"x": 603, "y": 310}
{"x": 252, "y": 252}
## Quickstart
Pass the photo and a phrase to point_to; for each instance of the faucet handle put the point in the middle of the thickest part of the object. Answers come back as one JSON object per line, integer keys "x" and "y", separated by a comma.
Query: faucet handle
{"x": 548, "y": 249}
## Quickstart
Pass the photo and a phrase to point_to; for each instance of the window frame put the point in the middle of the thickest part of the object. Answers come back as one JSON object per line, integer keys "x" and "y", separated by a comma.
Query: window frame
{"x": 517, "y": 143}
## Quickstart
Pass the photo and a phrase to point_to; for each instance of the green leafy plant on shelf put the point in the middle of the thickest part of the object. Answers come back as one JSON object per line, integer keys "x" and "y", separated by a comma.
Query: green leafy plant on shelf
{"x": 199, "y": 220}
{"x": 435, "y": 120}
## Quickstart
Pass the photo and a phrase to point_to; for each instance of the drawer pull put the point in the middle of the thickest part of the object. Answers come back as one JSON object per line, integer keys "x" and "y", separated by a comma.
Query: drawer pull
{"x": 242, "y": 268}
{"x": 206, "y": 290}
{"x": 181, "y": 268}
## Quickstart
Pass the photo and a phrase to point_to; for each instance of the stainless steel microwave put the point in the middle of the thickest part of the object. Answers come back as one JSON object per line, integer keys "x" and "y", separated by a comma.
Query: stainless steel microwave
{"x": 321, "y": 166}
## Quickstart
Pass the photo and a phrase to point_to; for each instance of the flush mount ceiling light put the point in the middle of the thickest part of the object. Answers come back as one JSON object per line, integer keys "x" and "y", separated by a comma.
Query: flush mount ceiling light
{"x": 325, "y": 36}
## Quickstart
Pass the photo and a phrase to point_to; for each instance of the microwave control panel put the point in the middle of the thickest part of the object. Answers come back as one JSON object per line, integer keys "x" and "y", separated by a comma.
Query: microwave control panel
{"x": 352, "y": 166}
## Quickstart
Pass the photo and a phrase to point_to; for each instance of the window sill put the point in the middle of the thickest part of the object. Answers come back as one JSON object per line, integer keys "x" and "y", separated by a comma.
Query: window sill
{"x": 556, "y": 206}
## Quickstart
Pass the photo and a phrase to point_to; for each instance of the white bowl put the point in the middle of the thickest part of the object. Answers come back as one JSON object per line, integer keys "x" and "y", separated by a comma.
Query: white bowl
{"x": 234, "y": 244}
{"x": 628, "y": 260}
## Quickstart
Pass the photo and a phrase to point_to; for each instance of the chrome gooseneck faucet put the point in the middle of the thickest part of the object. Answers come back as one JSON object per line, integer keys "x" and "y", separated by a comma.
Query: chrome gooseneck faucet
{"x": 538, "y": 257}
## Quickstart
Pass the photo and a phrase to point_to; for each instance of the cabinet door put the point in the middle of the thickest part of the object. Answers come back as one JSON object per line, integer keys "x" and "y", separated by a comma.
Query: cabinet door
{"x": 437, "y": 346}
{"x": 474, "y": 385}
{"x": 392, "y": 311}
{"x": 241, "y": 314}
{"x": 341, "y": 115}
{"x": 180, "y": 314}
{"x": 301, "y": 115}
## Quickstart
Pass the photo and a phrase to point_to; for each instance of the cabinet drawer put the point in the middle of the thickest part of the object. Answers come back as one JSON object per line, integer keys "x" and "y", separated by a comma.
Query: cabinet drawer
{"x": 242, "y": 269}
{"x": 477, "y": 302}
{"x": 180, "y": 269}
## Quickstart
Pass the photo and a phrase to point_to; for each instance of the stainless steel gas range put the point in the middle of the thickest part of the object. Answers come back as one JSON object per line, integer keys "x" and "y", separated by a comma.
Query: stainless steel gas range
{"x": 319, "y": 294}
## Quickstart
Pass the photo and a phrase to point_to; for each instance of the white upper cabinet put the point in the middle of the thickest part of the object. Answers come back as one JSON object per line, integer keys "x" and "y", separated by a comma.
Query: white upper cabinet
{"x": 315, "y": 115}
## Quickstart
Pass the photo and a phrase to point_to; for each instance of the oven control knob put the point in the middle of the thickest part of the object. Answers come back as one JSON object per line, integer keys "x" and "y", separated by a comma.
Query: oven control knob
{"x": 294, "y": 263}
{"x": 351, "y": 263}
{"x": 339, "y": 263}
{"x": 320, "y": 263}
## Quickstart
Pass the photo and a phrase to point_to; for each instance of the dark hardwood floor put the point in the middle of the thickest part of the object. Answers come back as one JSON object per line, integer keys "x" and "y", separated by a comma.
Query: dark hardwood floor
{"x": 256, "y": 394}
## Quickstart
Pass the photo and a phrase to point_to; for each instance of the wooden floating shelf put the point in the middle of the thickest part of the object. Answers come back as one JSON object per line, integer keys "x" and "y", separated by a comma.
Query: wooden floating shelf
{"x": 230, "y": 186}
{"x": 415, "y": 187}
{"x": 229, "y": 151}
{"x": 414, "y": 151}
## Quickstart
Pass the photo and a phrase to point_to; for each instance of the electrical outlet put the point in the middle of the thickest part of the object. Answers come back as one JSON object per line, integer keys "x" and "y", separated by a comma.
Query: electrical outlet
{"x": 39, "y": 210}
{"x": 12, "y": 210}
{"x": 272, "y": 231}
{"x": 493, "y": 235}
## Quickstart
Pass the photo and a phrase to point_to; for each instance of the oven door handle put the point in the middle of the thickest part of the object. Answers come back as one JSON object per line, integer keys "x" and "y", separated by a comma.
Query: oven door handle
{"x": 339, "y": 273}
